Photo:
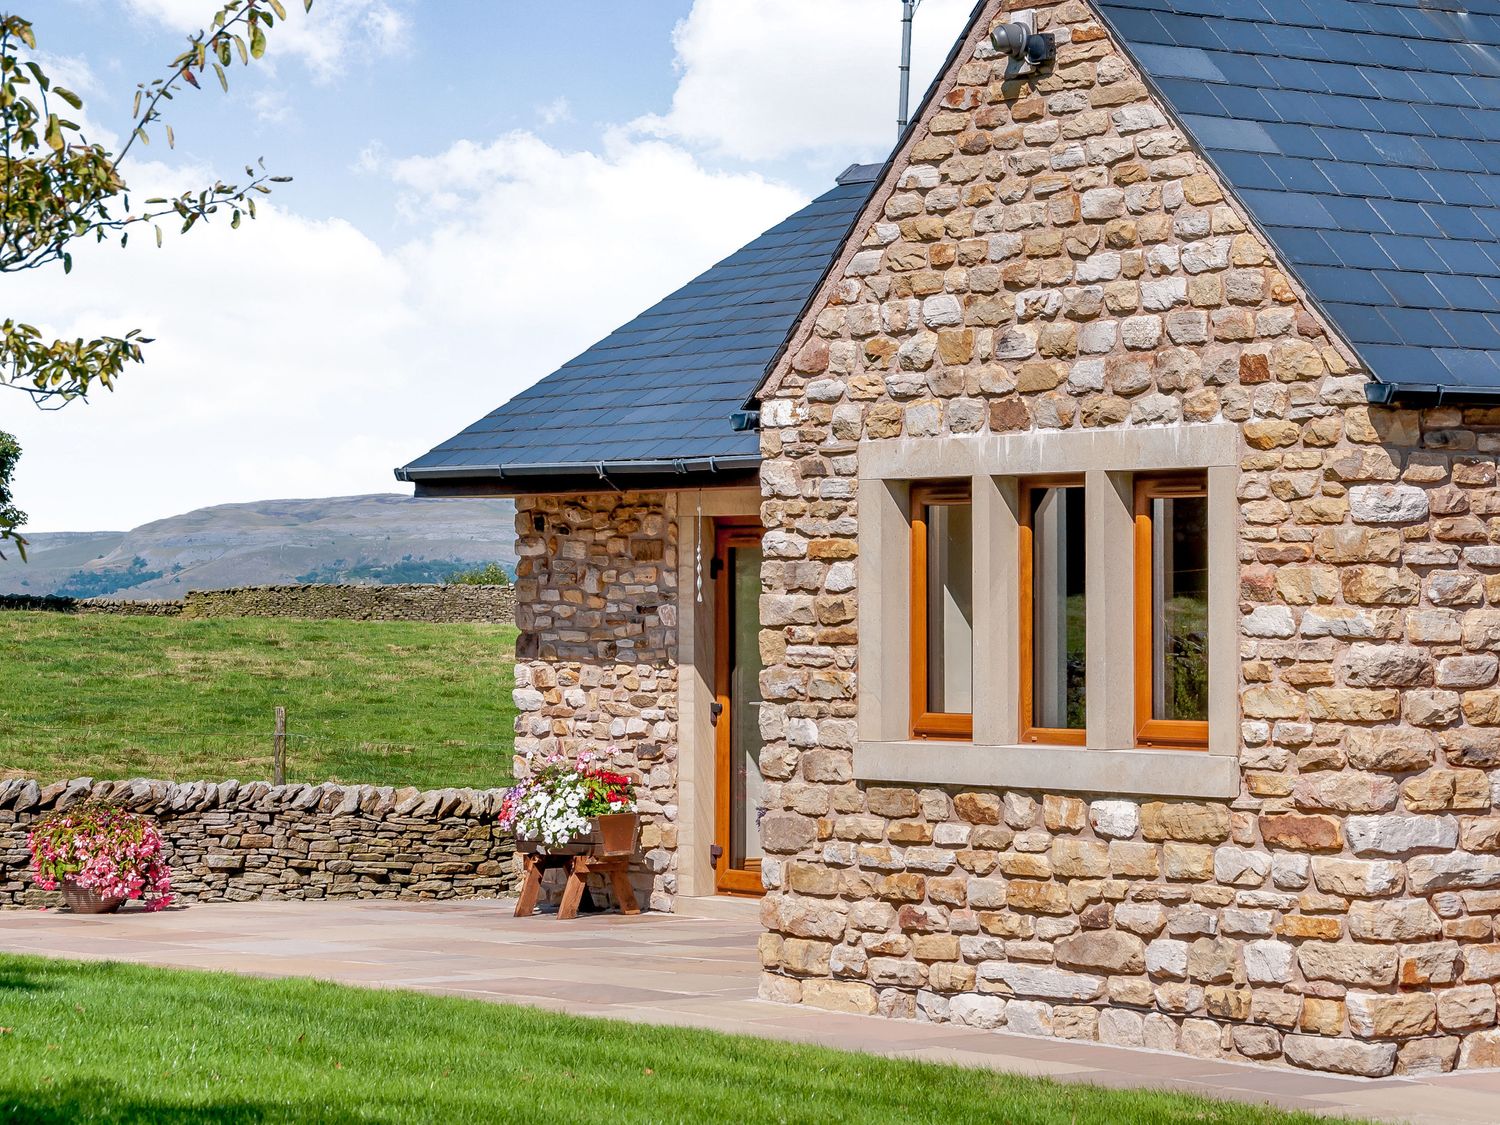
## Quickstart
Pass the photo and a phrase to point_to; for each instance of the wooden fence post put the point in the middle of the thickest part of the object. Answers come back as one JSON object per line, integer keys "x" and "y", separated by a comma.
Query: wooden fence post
{"x": 278, "y": 758}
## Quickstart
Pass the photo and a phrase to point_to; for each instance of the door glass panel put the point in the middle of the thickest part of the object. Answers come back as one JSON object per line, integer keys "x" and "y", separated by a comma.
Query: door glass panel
{"x": 1179, "y": 607}
{"x": 746, "y": 785}
{"x": 950, "y": 609}
{"x": 1057, "y": 626}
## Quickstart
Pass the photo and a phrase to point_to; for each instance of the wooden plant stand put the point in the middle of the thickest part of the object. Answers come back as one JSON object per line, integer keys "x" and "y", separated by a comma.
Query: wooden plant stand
{"x": 579, "y": 868}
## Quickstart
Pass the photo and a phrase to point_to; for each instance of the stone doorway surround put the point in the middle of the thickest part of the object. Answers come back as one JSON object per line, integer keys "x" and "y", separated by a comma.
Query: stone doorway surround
{"x": 696, "y": 746}
{"x": 696, "y": 968}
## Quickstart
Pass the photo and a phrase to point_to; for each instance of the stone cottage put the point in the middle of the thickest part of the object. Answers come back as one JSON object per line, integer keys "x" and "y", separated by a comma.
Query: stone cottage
{"x": 1127, "y": 547}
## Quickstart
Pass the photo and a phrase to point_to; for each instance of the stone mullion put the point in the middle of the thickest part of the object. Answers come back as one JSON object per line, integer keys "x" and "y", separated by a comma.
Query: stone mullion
{"x": 1109, "y": 595}
{"x": 996, "y": 643}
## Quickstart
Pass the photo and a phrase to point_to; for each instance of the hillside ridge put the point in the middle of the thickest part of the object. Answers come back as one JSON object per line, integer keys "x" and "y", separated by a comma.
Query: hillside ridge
{"x": 378, "y": 537}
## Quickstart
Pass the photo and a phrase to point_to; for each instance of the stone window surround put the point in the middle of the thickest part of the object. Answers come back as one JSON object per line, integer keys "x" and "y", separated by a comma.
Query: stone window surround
{"x": 1108, "y": 460}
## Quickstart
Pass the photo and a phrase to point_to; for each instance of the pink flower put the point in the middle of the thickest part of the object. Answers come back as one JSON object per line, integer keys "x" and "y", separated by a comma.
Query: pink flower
{"x": 115, "y": 853}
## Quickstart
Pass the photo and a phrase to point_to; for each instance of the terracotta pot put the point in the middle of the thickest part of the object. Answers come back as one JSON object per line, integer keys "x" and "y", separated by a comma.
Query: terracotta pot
{"x": 617, "y": 832}
{"x": 83, "y": 900}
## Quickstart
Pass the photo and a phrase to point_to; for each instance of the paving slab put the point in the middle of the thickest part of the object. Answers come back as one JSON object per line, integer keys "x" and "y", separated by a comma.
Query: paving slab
{"x": 696, "y": 968}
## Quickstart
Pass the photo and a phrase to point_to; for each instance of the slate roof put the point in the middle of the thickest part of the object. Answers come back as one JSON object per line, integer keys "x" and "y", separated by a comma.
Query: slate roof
{"x": 659, "y": 393}
{"x": 1364, "y": 138}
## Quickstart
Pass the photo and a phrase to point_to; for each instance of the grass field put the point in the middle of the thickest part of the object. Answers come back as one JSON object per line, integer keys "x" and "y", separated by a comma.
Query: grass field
{"x": 118, "y": 1043}
{"x": 388, "y": 703}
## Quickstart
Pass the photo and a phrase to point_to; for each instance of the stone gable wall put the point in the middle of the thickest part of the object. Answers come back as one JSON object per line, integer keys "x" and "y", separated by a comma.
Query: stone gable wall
{"x": 596, "y": 660}
{"x": 231, "y": 842}
{"x": 1053, "y": 255}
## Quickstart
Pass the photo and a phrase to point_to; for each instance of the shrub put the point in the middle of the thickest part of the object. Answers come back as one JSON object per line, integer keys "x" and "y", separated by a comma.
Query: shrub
{"x": 492, "y": 575}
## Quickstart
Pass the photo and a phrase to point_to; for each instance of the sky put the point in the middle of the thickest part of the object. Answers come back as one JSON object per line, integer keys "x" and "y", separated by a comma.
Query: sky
{"x": 481, "y": 189}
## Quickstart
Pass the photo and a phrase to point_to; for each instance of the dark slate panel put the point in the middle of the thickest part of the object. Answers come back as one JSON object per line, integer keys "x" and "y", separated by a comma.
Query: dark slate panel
{"x": 1364, "y": 137}
{"x": 664, "y": 386}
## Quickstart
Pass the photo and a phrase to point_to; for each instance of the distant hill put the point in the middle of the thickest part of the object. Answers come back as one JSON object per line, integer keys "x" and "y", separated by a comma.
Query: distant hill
{"x": 381, "y": 538}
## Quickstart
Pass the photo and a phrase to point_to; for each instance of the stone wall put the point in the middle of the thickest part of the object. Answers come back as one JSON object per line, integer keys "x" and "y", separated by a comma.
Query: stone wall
{"x": 490, "y": 604}
{"x": 228, "y": 842}
{"x": 596, "y": 657}
{"x": 47, "y": 603}
{"x": 1052, "y": 254}
{"x": 493, "y": 604}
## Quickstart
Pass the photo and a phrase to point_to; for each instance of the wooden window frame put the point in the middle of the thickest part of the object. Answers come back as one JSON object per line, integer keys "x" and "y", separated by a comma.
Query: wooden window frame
{"x": 927, "y": 724}
{"x": 1026, "y": 589}
{"x": 1168, "y": 734}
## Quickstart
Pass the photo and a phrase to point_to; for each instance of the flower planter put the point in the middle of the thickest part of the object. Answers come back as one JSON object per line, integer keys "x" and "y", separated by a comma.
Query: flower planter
{"x": 85, "y": 900}
{"x": 611, "y": 834}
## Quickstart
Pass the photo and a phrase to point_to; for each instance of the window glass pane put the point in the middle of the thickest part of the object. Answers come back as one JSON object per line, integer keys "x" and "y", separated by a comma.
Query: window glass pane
{"x": 1057, "y": 625}
{"x": 1179, "y": 607}
{"x": 950, "y": 609}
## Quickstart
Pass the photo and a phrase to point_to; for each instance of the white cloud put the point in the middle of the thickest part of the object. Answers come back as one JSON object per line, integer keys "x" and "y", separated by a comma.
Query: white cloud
{"x": 272, "y": 107}
{"x": 558, "y": 110}
{"x": 325, "y": 39}
{"x": 762, "y": 79}
{"x": 296, "y": 357}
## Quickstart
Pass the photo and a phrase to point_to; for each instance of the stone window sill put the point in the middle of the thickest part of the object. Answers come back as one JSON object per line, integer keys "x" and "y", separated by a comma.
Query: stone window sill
{"x": 1052, "y": 769}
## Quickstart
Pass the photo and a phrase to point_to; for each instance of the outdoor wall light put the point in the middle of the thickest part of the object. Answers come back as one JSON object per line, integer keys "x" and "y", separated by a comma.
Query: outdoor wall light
{"x": 1023, "y": 44}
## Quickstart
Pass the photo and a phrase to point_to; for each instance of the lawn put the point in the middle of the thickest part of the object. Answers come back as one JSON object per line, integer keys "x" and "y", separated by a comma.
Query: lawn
{"x": 388, "y": 703}
{"x": 123, "y": 1043}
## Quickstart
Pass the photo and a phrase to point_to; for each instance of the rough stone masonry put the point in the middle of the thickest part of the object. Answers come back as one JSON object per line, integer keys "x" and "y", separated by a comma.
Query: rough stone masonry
{"x": 596, "y": 670}
{"x": 230, "y": 842}
{"x": 1055, "y": 256}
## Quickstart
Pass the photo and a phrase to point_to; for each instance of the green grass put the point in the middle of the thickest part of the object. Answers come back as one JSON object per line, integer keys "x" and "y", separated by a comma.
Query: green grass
{"x": 109, "y": 1042}
{"x": 387, "y": 703}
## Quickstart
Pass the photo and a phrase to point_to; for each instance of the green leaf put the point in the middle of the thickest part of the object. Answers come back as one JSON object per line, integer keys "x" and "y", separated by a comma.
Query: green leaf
{"x": 171, "y": 140}
{"x": 68, "y": 96}
{"x": 158, "y": 236}
{"x": 54, "y": 133}
{"x": 277, "y": 7}
{"x": 223, "y": 79}
{"x": 257, "y": 41}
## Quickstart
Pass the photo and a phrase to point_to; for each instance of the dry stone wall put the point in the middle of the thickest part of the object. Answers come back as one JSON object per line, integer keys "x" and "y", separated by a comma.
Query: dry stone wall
{"x": 488, "y": 604}
{"x": 230, "y": 842}
{"x": 48, "y": 603}
{"x": 1053, "y": 255}
{"x": 493, "y": 604}
{"x": 596, "y": 659}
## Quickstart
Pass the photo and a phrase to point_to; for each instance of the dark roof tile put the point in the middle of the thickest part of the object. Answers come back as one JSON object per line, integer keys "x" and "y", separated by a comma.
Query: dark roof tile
{"x": 1364, "y": 138}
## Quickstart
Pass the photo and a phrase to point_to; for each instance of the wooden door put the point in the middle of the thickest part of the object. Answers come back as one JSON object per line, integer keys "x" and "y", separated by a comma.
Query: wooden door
{"x": 739, "y": 785}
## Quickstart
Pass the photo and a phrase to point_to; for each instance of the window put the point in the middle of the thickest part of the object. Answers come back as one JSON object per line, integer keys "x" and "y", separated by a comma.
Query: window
{"x": 1053, "y": 619}
{"x": 942, "y": 611}
{"x": 1171, "y": 611}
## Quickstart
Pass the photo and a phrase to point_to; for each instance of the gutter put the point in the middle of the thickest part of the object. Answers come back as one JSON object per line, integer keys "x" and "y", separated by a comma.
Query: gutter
{"x": 1429, "y": 394}
{"x": 604, "y": 470}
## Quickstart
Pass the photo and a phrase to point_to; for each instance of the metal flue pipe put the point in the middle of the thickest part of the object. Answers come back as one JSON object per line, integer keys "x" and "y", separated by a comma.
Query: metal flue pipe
{"x": 908, "y": 10}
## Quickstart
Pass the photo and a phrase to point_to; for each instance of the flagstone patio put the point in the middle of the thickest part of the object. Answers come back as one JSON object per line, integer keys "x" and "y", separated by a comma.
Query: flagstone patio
{"x": 696, "y": 968}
